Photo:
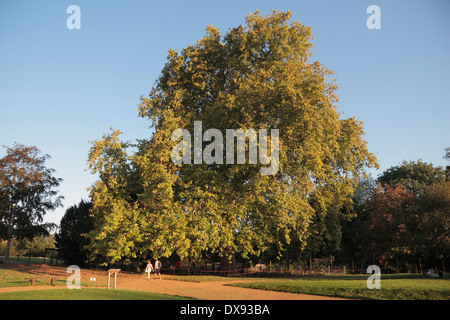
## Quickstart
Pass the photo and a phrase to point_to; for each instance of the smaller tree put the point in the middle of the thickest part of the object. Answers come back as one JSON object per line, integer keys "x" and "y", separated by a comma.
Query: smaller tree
{"x": 355, "y": 230}
{"x": 432, "y": 240}
{"x": 27, "y": 193}
{"x": 393, "y": 222}
{"x": 413, "y": 176}
{"x": 71, "y": 240}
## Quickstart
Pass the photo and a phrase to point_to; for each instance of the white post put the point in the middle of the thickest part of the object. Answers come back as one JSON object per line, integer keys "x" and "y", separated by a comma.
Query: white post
{"x": 115, "y": 271}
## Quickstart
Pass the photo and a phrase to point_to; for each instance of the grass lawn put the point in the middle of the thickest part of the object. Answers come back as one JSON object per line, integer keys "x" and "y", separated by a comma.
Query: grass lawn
{"x": 393, "y": 287}
{"x": 86, "y": 294}
{"x": 20, "y": 278}
{"x": 14, "y": 278}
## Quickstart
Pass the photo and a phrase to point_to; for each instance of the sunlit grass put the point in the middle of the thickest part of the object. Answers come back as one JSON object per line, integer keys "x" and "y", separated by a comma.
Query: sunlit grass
{"x": 393, "y": 287}
{"x": 20, "y": 278}
{"x": 86, "y": 294}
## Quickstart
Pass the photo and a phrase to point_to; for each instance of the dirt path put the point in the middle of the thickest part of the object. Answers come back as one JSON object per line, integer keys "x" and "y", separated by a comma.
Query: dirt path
{"x": 203, "y": 290}
{"x": 216, "y": 290}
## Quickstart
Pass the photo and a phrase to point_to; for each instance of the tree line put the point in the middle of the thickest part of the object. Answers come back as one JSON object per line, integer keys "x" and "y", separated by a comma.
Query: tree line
{"x": 399, "y": 221}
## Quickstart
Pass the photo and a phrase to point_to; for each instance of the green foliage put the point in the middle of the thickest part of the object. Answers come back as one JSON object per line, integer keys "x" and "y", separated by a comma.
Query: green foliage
{"x": 256, "y": 76}
{"x": 72, "y": 239}
{"x": 402, "y": 225}
{"x": 35, "y": 247}
{"x": 432, "y": 238}
{"x": 414, "y": 176}
{"x": 12, "y": 247}
{"x": 27, "y": 193}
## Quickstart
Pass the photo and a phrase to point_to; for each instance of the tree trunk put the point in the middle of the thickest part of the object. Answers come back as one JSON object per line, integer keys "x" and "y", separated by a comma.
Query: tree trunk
{"x": 420, "y": 266}
{"x": 228, "y": 260}
{"x": 8, "y": 243}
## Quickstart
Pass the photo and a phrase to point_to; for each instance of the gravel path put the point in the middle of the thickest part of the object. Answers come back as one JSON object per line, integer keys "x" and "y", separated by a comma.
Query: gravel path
{"x": 214, "y": 290}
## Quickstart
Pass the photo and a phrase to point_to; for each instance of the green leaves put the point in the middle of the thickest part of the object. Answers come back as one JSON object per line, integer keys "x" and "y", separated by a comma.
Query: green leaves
{"x": 257, "y": 76}
{"x": 414, "y": 176}
{"x": 27, "y": 191}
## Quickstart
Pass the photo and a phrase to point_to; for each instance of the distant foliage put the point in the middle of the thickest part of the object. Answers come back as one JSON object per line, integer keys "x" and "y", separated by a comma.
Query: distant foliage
{"x": 71, "y": 240}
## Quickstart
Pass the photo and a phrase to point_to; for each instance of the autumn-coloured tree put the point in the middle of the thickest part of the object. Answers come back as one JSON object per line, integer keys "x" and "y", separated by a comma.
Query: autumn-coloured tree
{"x": 393, "y": 223}
{"x": 256, "y": 76}
{"x": 405, "y": 223}
{"x": 27, "y": 192}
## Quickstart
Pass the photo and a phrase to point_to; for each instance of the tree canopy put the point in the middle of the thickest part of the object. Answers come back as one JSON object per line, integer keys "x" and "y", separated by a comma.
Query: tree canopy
{"x": 256, "y": 76}
{"x": 415, "y": 176}
{"x": 402, "y": 220}
{"x": 71, "y": 240}
{"x": 27, "y": 192}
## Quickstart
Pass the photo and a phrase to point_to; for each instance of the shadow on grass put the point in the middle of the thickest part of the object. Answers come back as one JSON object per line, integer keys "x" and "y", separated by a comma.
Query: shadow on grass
{"x": 87, "y": 294}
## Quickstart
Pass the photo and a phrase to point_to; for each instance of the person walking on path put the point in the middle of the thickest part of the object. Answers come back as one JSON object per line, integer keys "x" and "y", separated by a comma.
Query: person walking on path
{"x": 158, "y": 266}
{"x": 149, "y": 269}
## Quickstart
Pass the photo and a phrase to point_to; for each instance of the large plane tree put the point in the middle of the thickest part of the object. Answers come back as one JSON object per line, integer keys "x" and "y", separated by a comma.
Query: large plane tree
{"x": 257, "y": 76}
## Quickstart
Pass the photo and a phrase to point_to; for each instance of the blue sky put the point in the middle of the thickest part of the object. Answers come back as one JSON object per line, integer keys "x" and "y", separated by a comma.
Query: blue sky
{"x": 61, "y": 88}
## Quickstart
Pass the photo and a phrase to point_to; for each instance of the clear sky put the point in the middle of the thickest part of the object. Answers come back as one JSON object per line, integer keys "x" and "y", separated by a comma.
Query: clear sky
{"x": 61, "y": 88}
